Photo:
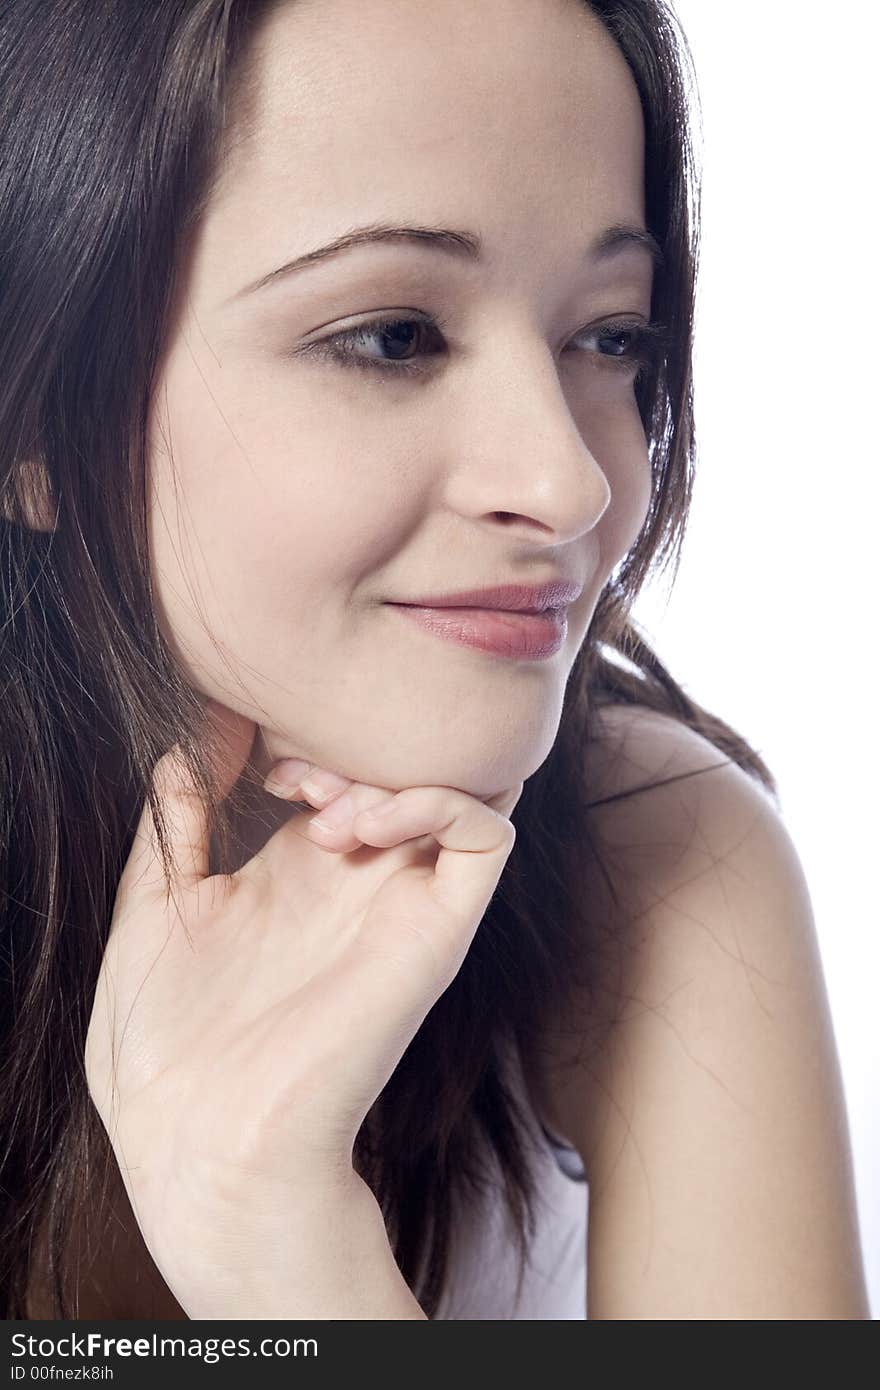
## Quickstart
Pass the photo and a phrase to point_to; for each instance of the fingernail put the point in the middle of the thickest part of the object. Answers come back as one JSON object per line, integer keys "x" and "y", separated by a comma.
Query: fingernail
{"x": 321, "y": 786}
{"x": 337, "y": 813}
{"x": 286, "y": 776}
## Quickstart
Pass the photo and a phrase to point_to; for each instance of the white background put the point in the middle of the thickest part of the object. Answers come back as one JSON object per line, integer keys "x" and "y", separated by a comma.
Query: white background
{"x": 772, "y": 621}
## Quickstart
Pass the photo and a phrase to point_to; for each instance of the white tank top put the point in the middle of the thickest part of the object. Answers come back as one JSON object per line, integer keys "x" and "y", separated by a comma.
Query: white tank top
{"x": 484, "y": 1260}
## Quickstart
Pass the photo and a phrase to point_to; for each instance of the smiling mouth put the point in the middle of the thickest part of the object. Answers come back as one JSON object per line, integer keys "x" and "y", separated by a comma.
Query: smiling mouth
{"x": 486, "y": 608}
{"x": 519, "y": 634}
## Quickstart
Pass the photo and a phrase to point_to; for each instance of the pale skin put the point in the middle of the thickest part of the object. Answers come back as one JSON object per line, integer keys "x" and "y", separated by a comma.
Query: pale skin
{"x": 274, "y": 539}
{"x": 518, "y": 456}
{"x": 275, "y": 1010}
{"x": 290, "y": 498}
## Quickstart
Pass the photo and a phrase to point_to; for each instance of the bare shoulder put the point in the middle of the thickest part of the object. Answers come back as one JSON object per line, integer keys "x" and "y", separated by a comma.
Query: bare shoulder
{"x": 698, "y": 1076}
{"x": 637, "y": 747}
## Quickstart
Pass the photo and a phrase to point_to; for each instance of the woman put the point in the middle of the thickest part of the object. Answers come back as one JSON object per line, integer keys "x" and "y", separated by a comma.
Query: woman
{"x": 318, "y": 316}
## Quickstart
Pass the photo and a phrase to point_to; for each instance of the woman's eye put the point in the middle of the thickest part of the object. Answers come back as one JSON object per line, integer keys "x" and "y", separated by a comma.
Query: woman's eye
{"x": 406, "y": 345}
{"x": 629, "y": 348}
{"x": 401, "y": 344}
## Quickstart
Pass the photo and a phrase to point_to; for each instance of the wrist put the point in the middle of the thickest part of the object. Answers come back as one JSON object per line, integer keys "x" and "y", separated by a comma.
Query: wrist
{"x": 334, "y": 1261}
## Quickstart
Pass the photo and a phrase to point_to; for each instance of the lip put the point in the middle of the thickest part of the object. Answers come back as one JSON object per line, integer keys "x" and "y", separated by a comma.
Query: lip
{"x": 511, "y": 598}
{"x": 519, "y": 635}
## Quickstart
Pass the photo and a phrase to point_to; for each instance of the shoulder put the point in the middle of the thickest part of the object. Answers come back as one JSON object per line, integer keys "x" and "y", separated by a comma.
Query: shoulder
{"x": 636, "y": 747}
{"x": 698, "y": 1076}
{"x": 685, "y": 833}
{"x": 673, "y": 813}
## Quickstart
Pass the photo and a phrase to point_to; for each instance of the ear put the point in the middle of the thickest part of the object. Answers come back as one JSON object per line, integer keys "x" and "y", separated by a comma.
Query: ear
{"x": 32, "y": 492}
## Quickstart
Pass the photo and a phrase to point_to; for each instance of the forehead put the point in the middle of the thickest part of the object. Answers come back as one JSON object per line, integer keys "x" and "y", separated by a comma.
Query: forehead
{"x": 507, "y": 114}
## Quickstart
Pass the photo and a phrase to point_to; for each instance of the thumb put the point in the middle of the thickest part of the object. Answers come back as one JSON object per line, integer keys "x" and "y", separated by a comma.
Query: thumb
{"x": 229, "y": 738}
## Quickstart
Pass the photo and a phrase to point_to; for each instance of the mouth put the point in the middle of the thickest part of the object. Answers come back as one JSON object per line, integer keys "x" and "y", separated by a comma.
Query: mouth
{"x": 534, "y": 599}
{"x": 520, "y": 634}
{"x": 485, "y": 608}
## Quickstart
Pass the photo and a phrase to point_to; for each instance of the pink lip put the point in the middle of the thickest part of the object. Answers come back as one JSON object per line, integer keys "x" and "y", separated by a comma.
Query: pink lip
{"x": 512, "y": 598}
{"x": 522, "y": 636}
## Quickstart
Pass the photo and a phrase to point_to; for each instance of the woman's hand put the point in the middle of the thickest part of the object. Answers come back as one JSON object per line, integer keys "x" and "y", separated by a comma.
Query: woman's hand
{"x": 243, "y": 1027}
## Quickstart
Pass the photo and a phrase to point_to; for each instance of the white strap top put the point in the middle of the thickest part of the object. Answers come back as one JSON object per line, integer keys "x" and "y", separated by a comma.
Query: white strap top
{"x": 481, "y": 1283}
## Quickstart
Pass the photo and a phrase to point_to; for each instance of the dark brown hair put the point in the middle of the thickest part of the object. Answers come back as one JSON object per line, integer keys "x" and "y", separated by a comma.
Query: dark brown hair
{"x": 109, "y": 148}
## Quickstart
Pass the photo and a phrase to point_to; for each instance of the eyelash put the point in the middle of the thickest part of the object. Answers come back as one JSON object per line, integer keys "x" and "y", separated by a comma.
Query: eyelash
{"x": 649, "y": 343}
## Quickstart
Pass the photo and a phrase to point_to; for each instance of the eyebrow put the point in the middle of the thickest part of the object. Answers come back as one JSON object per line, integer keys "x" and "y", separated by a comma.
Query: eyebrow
{"x": 464, "y": 245}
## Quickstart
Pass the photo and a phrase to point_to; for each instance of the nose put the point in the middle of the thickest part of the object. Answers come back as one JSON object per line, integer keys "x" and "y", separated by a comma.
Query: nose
{"x": 522, "y": 454}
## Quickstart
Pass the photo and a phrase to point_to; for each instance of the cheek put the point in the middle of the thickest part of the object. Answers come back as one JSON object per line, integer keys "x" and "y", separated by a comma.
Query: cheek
{"x": 257, "y": 523}
{"x": 630, "y": 497}
{"x": 617, "y": 441}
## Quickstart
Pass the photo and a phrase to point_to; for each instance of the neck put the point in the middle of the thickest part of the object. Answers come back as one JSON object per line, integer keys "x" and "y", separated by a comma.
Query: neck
{"x": 254, "y": 814}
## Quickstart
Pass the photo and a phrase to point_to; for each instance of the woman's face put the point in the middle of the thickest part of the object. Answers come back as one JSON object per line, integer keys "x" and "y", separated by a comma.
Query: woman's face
{"x": 293, "y": 496}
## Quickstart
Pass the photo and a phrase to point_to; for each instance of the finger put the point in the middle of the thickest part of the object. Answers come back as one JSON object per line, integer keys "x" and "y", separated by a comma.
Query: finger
{"x": 334, "y": 824}
{"x": 336, "y": 839}
{"x": 417, "y": 930}
{"x": 475, "y": 842}
{"x": 230, "y": 738}
{"x": 293, "y": 779}
{"x": 334, "y": 827}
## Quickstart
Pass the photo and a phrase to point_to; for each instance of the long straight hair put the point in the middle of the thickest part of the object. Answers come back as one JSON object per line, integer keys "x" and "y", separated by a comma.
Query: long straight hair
{"x": 108, "y": 155}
